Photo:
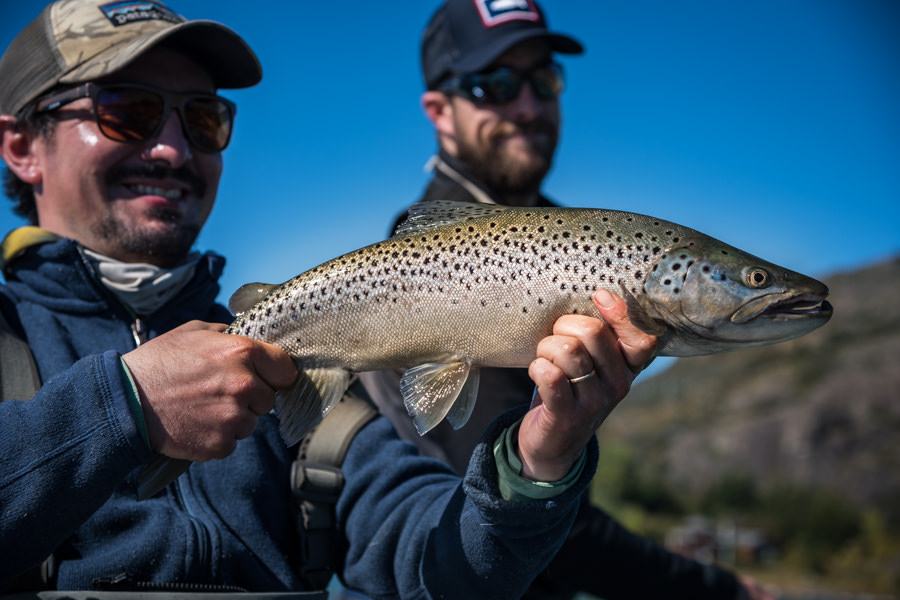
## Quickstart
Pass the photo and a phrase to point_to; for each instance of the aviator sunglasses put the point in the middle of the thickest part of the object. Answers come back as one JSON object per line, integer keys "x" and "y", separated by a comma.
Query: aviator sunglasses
{"x": 132, "y": 113}
{"x": 504, "y": 84}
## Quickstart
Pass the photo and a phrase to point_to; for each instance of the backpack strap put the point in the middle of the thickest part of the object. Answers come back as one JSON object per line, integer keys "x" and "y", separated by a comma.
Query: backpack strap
{"x": 317, "y": 481}
{"x": 18, "y": 373}
{"x": 19, "y": 379}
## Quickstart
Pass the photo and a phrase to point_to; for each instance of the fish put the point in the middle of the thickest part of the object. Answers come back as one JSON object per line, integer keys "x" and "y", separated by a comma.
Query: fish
{"x": 462, "y": 286}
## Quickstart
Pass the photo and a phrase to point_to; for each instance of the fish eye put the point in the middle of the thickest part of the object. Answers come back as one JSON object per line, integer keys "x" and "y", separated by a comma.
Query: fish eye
{"x": 758, "y": 278}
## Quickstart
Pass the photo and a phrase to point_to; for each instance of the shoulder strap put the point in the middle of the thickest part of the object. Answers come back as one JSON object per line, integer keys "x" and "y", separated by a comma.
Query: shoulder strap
{"x": 317, "y": 481}
{"x": 18, "y": 373}
{"x": 19, "y": 379}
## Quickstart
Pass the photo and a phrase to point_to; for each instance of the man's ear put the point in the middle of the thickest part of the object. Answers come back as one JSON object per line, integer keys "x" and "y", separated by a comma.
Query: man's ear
{"x": 439, "y": 110}
{"x": 17, "y": 150}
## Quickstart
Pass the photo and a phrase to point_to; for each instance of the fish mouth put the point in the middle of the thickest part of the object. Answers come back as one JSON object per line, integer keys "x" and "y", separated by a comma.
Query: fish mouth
{"x": 784, "y": 306}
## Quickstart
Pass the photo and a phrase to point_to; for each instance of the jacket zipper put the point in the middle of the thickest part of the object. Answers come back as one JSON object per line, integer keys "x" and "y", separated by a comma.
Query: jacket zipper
{"x": 138, "y": 332}
{"x": 200, "y": 530}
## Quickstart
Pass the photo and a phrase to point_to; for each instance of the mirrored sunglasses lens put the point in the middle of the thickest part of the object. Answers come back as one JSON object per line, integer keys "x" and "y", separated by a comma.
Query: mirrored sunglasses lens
{"x": 208, "y": 122}
{"x": 502, "y": 86}
{"x": 128, "y": 114}
{"x": 547, "y": 82}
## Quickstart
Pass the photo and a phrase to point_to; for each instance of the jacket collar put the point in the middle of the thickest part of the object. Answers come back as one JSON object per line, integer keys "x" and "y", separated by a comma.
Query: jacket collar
{"x": 455, "y": 180}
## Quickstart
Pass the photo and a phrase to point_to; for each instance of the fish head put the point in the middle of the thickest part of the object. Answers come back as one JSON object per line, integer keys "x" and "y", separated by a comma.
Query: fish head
{"x": 705, "y": 297}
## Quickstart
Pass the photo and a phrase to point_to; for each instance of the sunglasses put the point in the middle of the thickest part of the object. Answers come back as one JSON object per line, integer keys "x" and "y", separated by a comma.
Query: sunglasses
{"x": 132, "y": 113}
{"x": 504, "y": 84}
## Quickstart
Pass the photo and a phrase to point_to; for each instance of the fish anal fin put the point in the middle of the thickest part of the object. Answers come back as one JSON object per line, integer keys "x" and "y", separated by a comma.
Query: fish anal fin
{"x": 249, "y": 294}
{"x": 301, "y": 406}
{"x": 430, "y": 390}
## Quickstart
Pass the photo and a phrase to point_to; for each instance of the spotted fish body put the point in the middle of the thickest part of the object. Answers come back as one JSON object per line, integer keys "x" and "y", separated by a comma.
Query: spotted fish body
{"x": 463, "y": 286}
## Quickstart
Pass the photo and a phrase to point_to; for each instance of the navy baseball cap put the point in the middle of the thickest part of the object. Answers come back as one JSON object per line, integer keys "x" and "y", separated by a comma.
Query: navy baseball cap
{"x": 465, "y": 36}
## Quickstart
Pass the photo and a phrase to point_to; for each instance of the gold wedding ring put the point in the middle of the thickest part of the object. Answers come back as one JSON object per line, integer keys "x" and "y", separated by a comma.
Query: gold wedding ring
{"x": 583, "y": 377}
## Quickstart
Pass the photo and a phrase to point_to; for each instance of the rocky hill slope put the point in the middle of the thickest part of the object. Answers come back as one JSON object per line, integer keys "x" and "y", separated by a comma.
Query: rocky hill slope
{"x": 820, "y": 410}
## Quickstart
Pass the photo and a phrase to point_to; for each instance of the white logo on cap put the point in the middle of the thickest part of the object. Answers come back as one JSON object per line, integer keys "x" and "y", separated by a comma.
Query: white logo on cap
{"x": 495, "y": 12}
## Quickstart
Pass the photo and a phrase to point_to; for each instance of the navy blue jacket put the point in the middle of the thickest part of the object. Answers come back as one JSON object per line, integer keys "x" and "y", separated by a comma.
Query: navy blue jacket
{"x": 70, "y": 456}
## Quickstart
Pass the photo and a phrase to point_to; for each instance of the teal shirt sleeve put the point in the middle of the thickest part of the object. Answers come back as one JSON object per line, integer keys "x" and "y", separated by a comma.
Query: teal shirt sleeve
{"x": 134, "y": 400}
{"x": 517, "y": 488}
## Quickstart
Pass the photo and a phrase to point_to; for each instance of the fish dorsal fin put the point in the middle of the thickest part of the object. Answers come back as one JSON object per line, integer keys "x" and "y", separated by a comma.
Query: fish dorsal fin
{"x": 430, "y": 390}
{"x": 249, "y": 294}
{"x": 462, "y": 408}
{"x": 433, "y": 213}
{"x": 301, "y": 406}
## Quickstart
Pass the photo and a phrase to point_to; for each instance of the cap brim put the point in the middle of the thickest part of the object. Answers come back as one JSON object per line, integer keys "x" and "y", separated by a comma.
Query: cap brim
{"x": 477, "y": 61}
{"x": 223, "y": 53}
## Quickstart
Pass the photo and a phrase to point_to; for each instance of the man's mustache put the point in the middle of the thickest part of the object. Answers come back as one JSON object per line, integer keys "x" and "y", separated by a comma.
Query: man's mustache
{"x": 510, "y": 128}
{"x": 182, "y": 174}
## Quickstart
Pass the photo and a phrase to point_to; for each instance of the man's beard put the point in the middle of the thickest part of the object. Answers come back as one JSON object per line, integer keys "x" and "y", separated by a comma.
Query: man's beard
{"x": 169, "y": 241}
{"x": 166, "y": 245}
{"x": 507, "y": 175}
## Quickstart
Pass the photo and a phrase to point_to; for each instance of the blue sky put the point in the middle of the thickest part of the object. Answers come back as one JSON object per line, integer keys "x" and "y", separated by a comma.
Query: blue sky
{"x": 773, "y": 125}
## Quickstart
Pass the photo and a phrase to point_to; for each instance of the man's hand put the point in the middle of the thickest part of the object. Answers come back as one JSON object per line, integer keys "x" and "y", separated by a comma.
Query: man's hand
{"x": 564, "y": 413}
{"x": 202, "y": 390}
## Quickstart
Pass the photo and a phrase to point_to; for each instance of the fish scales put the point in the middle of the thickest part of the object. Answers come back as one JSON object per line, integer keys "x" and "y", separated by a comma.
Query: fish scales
{"x": 459, "y": 291}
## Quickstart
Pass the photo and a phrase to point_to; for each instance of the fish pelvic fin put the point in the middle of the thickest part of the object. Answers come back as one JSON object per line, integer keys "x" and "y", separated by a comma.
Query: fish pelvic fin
{"x": 301, "y": 406}
{"x": 462, "y": 409}
{"x": 249, "y": 294}
{"x": 431, "y": 390}
{"x": 162, "y": 471}
{"x": 434, "y": 213}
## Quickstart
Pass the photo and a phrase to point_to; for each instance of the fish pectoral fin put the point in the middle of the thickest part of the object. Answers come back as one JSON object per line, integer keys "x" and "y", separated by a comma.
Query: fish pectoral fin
{"x": 301, "y": 406}
{"x": 639, "y": 317}
{"x": 430, "y": 391}
{"x": 158, "y": 474}
{"x": 462, "y": 409}
{"x": 249, "y": 294}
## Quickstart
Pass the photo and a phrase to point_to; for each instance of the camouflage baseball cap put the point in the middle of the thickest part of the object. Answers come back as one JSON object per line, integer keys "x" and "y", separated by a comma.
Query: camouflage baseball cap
{"x": 73, "y": 41}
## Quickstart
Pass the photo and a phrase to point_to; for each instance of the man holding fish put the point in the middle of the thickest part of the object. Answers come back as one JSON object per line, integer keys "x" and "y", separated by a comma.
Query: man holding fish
{"x": 493, "y": 97}
{"x": 112, "y": 133}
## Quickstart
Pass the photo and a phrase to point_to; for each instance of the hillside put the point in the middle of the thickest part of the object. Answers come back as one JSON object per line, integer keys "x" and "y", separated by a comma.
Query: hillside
{"x": 822, "y": 410}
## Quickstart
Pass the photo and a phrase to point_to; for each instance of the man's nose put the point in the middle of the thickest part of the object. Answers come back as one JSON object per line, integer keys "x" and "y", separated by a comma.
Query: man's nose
{"x": 171, "y": 145}
{"x": 526, "y": 106}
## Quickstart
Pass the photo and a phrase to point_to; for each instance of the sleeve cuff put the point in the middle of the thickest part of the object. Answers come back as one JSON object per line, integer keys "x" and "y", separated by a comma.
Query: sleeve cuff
{"x": 134, "y": 400}
{"x": 520, "y": 489}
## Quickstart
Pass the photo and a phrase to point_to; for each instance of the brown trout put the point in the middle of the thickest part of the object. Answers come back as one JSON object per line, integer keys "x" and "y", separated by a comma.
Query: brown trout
{"x": 462, "y": 286}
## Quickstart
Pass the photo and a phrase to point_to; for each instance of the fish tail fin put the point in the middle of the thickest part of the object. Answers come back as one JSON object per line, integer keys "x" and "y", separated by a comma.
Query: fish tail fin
{"x": 301, "y": 406}
{"x": 431, "y": 390}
